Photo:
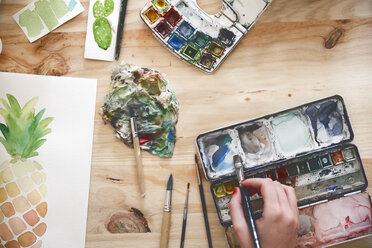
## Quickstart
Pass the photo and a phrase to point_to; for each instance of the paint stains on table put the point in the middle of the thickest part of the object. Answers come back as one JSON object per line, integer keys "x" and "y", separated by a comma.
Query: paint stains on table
{"x": 155, "y": 106}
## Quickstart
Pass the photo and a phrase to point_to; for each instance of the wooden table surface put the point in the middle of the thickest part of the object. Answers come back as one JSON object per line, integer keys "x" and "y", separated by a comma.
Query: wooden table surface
{"x": 298, "y": 51}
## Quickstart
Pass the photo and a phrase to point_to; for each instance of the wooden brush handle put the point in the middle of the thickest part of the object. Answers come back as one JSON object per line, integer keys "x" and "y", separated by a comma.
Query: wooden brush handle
{"x": 140, "y": 174}
{"x": 165, "y": 229}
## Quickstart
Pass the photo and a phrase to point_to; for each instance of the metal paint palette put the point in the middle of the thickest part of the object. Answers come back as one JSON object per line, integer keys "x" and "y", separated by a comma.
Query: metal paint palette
{"x": 196, "y": 37}
{"x": 306, "y": 147}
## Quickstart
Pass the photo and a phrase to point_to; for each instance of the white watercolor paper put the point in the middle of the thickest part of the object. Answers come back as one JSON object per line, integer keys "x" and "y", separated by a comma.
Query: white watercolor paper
{"x": 92, "y": 49}
{"x": 66, "y": 154}
{"x": 35, "y": 25}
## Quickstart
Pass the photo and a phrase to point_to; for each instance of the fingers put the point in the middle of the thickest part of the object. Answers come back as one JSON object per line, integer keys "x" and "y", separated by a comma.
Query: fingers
{"x": 292, "y": 200}
{"x": 279, "y": 218}
{"x": 254, "y": 185}
{"x": 266, "y": 188}
{"x": 276, "y": 196}
{"x": 240, "y": 225}
{"x": 281, "y": 195}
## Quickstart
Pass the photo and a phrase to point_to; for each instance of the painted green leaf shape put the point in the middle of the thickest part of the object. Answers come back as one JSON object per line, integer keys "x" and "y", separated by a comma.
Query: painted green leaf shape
{"x": 109, "y": 7}
{"x": 22, "y": 130}
{"x": 98, "y": 9}
{"x": 102, "y": 32}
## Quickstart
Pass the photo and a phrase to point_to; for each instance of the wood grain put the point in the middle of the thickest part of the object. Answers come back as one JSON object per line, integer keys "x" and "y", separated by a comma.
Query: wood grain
{"x": 298, "y": 51}
{"x": 165, "y": 229}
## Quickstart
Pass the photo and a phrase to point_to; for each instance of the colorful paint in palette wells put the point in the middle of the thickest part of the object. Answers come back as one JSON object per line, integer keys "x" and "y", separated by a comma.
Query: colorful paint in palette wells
{"x": 306, "y": 147}
{"x": 206, "y": 39}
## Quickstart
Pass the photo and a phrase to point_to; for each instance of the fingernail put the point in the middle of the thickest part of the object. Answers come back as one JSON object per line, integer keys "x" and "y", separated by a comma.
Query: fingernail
{"x": 235, "y": 190}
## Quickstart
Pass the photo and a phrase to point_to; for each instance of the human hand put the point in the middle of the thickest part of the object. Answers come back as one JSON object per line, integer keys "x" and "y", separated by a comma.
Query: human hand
{"x": 278, "y": 226}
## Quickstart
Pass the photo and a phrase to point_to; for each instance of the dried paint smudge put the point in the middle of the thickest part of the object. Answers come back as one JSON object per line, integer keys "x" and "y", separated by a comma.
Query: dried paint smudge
{"x": 154, "y": 103}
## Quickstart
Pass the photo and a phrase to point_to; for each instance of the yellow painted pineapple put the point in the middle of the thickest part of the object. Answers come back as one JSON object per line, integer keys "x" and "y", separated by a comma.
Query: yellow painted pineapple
{"x": 22, "y": 182}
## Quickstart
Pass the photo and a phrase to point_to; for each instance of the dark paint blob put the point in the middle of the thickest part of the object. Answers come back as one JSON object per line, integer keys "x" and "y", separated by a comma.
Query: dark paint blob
{"x": 163, "y": 29}
{"x": 207, "y": 60}
{"x": 226, "y": 37}
{"x": 144, "y": 138}
{"x": 176, "y": 42}
{"x": 324, "y": 172}
{"x": 282, "y": 172}
{"x": 292, "y": 170}
{"x": 326, "y": 113}
{"x": 190, "y": 51}
{"x": 200, "y": 39}
{"x": 173, "y": 17}
{"x": 185, "y": 29}
{"x": 333, "y": 188}
{"x": 314, "y": 164}
{"x": 219, "y": 156}
{"x": 303, "y": 168}
{"x": 312, "y": 112}
{"x": 223, "y": 140}
{"x": 271, "y": 174}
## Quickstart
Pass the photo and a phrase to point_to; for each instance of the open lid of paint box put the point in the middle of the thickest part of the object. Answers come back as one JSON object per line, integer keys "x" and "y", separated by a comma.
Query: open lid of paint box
{"x": 196, "y": 37}
{"x": 273, "y": 138}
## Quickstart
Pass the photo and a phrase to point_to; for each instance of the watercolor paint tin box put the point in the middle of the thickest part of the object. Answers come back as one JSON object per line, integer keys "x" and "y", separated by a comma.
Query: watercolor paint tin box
{"x": 196, "y": 37}
{"x": 306, "y": 147}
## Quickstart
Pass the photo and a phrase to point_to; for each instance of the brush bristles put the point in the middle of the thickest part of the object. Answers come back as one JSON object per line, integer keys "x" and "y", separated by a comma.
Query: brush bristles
{"x": 170, "y": 182}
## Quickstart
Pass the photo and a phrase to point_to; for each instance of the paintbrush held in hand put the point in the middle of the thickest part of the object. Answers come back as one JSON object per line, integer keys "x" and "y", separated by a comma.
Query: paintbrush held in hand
{"x": 247, "y": 208}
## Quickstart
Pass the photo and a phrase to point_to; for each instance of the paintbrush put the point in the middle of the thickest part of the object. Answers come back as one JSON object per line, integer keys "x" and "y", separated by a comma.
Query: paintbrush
{"x": 185, "y": 217}
{"x": 204, "y": 207}
{"x": 247, "y": 208}
{"x": 165, "y": 226}
{"x": 123, "y": 8}
{"x": 137, "y": 152}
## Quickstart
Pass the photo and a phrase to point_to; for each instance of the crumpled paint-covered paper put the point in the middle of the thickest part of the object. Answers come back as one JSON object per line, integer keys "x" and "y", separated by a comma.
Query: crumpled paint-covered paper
{"x": 154, "y": 104}
{"x": 335, "y": 221}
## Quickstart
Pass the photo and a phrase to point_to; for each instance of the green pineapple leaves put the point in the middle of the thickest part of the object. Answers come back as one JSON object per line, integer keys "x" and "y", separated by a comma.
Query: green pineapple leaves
{"x": 23, "y": 130}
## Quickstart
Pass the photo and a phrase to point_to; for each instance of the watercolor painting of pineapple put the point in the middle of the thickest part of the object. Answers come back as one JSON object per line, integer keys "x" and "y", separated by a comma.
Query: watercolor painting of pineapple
{"x": 23, "y": 189}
